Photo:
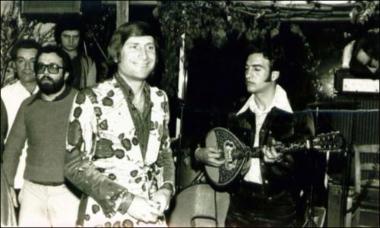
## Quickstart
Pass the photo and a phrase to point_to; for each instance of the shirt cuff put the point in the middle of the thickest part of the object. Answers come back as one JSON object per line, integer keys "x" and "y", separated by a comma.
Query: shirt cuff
{"x": 169, "y": 185}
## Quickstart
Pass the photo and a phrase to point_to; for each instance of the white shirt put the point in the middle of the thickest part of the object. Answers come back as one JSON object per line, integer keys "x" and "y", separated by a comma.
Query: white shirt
{"x": 347, "y": 55}
{"x": 13, "y": 95}
{"x": 280, "y": 100}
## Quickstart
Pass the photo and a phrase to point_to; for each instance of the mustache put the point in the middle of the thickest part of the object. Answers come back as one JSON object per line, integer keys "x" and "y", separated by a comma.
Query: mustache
{"x": 47, "y": 78}
{"x": 28, "y": 72}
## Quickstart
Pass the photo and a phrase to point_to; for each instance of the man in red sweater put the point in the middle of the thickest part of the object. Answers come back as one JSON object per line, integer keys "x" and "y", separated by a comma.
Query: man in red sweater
{"x": 42, "y": 119}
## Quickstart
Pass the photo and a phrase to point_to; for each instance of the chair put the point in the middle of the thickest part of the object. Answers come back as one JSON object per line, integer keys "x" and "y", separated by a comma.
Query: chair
{"x": 365, "y": 202}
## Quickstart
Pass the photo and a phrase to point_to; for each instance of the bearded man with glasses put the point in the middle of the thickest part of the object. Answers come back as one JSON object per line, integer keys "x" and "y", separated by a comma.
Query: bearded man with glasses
{"x": 42, "y": 119}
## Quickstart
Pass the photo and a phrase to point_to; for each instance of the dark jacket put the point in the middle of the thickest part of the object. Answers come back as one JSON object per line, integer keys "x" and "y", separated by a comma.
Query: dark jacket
{"x": 277, "y": 197}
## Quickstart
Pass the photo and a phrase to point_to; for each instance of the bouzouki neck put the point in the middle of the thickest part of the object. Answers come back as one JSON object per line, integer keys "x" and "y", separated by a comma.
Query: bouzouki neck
{"x": 254, "y": 152}
{"x": 326, "y": 142}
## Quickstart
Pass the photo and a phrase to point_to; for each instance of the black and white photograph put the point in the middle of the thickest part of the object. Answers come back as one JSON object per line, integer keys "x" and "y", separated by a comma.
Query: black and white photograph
{"x": 184, "y": 113}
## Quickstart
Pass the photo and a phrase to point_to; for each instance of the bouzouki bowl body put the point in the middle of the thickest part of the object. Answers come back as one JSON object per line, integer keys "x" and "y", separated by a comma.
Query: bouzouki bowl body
{"x": 222, "y": 139}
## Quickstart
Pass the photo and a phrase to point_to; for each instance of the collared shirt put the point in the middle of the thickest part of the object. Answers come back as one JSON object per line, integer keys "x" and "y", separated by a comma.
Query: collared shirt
{"x": 13, "y": 95}
{"x": 140, "y": 120}
{"x": 280, "y": 100}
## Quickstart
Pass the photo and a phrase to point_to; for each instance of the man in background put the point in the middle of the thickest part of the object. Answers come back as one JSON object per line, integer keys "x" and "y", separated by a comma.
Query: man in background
{"x": 45, "y": 199}
{"x": 24, "y": 55}
{"x": 69, "y": 35}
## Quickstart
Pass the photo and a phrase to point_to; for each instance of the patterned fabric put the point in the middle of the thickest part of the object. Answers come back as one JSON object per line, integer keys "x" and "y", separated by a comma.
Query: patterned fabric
{"x": 104, "y": 157}
{"x": 140, "y": 120}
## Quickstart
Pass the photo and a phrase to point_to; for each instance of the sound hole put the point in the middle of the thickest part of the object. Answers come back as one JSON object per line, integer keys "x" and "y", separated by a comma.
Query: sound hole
{"x": 229, "y": 144}
{"x": 228, "y": 149}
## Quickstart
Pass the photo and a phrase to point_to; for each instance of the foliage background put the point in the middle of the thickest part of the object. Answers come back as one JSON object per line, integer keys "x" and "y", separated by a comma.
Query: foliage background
{"x": 14, "y": 26}
{"x": 218, "y": 32}
{"x": 221, "y": 22}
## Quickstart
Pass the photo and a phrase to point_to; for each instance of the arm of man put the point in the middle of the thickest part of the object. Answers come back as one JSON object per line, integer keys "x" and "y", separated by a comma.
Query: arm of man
{"x": 14, "y": 145}
{"x": 13, "y": 149}
{"x": 165, "y": 160}
{"x": 284, "y": 164}
{"x": 79, "y": 168}
{"x": 209, "y": 156}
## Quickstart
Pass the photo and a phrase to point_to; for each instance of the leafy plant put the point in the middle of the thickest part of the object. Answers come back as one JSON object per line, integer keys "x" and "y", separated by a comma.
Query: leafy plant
{"x": 221, "y": 21}
{"x": 218, "y": 21}
{"x": 14, "y": 27}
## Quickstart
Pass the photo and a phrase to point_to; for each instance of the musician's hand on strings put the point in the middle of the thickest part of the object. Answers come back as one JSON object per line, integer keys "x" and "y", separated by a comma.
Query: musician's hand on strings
{"x": 270, "y": 154}
{"x": 209, "y": 156}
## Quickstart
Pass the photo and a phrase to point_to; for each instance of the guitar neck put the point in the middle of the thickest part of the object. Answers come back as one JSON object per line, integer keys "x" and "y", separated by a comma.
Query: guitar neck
{"x": 247, "y": 152}
{"x": 254, "y": 152}
{"x": 325, "y": 142}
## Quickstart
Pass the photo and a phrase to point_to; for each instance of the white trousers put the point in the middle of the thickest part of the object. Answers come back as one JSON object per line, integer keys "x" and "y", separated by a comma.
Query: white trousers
{"x": 47, "y": 206}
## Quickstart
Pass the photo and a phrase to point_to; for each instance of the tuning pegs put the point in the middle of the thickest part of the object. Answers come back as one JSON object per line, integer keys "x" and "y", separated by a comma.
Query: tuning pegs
{"x": 331, "y": 142}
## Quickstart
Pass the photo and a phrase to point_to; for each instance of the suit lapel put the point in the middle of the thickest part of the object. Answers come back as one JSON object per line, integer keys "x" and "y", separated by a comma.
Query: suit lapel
{"x": 155, "y": 132}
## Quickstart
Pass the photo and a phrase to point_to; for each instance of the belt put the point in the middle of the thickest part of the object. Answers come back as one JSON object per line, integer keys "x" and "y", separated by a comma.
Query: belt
{"x": 255, "y": 190}
{"x": 47, "y": 183}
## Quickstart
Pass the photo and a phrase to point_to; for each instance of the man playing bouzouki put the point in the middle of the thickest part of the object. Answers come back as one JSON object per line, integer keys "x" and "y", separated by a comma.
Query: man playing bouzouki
{"x": 268, "y": 192}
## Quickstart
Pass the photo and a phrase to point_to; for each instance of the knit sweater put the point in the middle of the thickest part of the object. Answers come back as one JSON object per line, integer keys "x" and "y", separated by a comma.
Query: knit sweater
{"x": 43, "y": 124}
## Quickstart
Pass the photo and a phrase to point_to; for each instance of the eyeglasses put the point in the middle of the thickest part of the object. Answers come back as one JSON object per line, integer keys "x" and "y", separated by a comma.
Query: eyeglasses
{"x": 52, "y": 68}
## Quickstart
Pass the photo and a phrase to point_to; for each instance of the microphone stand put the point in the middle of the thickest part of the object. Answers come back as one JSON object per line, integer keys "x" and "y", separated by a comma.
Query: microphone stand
{"x": 181, "y": 94}
{"x": 309, "y": 202}
{"x": 347, "y": 172}
{"x": 179, "y": 144}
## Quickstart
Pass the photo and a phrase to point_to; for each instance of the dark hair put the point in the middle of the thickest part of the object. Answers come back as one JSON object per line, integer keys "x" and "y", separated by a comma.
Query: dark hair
{"x": 369, "y": 42}
{"x": 270, "y": 50}
{"x": 137, "y": 28}
{"x": 27, "y": 44}
{"x": 61, "y": 53}
{"x": 68, "y": 24}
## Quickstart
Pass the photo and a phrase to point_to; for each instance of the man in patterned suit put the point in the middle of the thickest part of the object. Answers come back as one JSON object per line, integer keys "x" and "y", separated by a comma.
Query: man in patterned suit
{"x": 118, "y": 145}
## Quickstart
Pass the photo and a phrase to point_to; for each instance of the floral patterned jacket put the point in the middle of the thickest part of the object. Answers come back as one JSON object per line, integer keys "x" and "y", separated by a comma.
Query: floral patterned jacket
{"x": 104, "y": 158}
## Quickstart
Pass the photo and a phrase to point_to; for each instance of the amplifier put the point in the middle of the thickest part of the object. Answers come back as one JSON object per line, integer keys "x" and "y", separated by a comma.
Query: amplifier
{"x": 346, "y": 83}
{"x": 334, "y": 206}
{"x": 359, "y": 125}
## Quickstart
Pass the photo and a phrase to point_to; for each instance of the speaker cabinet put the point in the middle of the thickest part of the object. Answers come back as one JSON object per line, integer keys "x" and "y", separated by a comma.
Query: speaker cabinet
{"x": 334, "y": 208}
{"x": 50, "y": 7}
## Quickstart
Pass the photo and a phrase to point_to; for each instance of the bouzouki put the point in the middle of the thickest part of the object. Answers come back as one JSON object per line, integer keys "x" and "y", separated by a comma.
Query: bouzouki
{"x": 236, "y": 153}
